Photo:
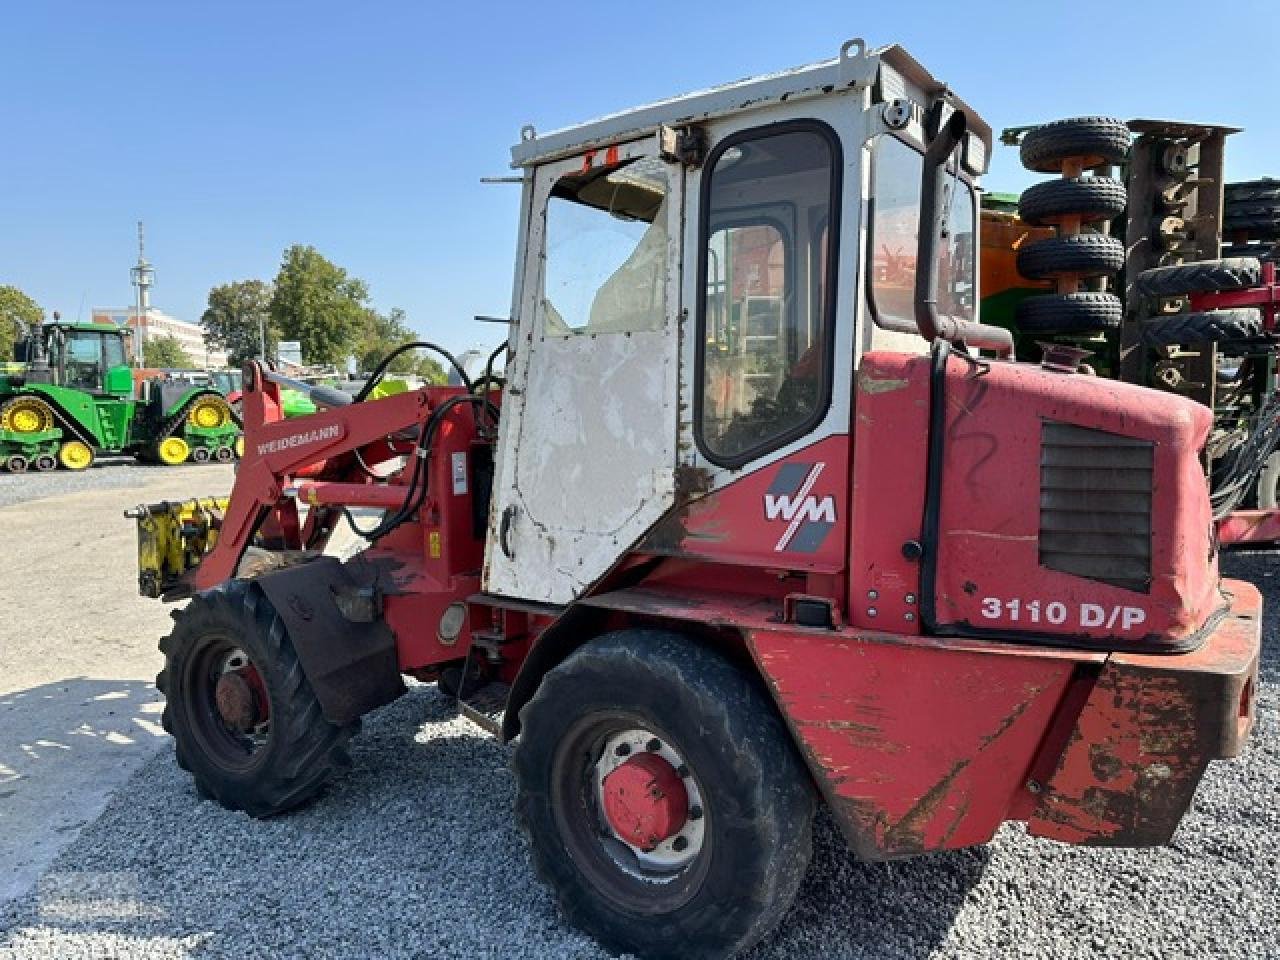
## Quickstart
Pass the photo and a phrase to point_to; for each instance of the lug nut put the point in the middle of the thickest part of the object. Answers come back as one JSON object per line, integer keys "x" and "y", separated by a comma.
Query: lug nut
{"x": 622, "y": 749}
{"x": 695, "y": 812}
{"x": 679, "y": 843}
{"x": 654, "y": 745}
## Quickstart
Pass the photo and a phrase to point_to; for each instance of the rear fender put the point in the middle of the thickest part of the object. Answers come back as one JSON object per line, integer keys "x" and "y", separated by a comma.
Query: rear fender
{"x": 333, "y": 612}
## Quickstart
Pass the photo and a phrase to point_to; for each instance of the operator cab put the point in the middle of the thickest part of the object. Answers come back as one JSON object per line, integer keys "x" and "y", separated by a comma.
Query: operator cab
{"x": 695, "y": 283}
{"x": 86, "y": 357}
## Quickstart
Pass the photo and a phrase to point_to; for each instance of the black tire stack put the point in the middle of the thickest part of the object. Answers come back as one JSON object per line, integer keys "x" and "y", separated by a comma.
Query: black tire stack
{"x": 1251, "y": 219}
{"x": 1078, "y": 205}
{"x": 1251, "y": 212}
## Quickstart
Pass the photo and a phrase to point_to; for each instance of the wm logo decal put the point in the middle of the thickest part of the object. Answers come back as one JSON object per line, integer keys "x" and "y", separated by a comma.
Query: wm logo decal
{"x": 788, "y": 500}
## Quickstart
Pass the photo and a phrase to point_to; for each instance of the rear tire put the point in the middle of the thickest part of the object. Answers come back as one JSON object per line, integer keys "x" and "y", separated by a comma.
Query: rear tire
{"x": 1211, "y": 326}
{"x": 1069, "y": 313}
{"x": 241, "y": 765}
{"x": 1081, "y": 254}
{"x": 1200, "y": 276}
{"x": 1092, "y": 199}
{"x": 753, "y": 837}
{"x": 1095, "y": 141}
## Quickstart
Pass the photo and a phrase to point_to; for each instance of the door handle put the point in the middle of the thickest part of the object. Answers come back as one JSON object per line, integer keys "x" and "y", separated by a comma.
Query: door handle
{"x": 504, "y": 529}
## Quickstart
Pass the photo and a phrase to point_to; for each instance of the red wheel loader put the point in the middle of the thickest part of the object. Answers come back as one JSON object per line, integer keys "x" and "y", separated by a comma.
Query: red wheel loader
{"x": 762, "y": 517}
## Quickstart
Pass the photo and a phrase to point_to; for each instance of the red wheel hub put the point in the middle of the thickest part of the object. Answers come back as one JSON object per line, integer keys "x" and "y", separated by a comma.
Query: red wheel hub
{"x": 645, "y": 801}
{"x": 239, "y": 697}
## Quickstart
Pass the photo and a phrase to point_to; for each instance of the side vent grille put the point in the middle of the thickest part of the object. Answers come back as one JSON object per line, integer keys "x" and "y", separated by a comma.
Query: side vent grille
{"x": 1095, "y": 505}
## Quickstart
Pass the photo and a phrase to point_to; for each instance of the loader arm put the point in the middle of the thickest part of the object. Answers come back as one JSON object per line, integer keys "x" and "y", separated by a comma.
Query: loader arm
{"x": 279, "y": 451}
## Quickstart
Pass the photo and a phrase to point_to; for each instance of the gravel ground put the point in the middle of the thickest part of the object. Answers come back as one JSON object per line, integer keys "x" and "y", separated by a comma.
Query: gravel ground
{"x": 108, "y": 474}
{"x": 415, "y": 854}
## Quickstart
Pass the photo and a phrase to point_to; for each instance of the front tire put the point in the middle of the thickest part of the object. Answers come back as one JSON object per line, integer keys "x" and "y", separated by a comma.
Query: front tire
{"x": 710, "y": 858}
{"x": 245, "y": 721}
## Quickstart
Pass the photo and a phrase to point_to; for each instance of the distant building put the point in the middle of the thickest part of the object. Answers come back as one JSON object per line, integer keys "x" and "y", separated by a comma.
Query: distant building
{"x": 157, "y": 323}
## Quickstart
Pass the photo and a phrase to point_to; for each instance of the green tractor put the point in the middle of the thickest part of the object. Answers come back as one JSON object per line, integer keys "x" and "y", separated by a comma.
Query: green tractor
{"x": 71, "y": 396}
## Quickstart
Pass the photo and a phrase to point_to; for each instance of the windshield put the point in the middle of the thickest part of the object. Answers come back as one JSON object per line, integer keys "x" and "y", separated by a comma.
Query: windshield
{"x": 895, "y": 228}
{"x": 606, "y": 248}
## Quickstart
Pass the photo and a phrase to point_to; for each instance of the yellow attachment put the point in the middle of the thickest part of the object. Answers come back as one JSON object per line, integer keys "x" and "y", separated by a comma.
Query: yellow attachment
{"x": 75, "y": 455}
{"x": 172, "y": 451}
{"x": 26, "y": 415}
{"x": 173, "y": 538}
{"x": 238, "y": 447}
{"x": 209, "y": 413}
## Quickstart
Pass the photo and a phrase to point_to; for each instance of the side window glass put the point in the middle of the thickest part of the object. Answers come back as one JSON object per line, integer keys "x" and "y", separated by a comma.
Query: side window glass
{"x": 606, "y": 251}
{"x": 766, "y": 316}
{"x": 894, "y": 236}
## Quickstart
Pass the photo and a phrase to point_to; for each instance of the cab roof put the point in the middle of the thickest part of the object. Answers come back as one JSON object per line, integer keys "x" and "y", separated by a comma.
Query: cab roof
{"x": 855, "y": 67}
{"x": 88, "y": 327}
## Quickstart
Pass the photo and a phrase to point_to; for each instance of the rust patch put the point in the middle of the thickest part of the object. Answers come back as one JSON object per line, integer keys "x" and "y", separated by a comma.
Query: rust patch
{"x": 907, "y": 835}
{"x": 691, "y": 483}
{"x": 869, "y": 384}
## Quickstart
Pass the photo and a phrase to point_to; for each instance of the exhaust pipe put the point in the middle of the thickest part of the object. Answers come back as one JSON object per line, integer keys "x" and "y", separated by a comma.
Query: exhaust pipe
{"x": 931, "y": 324}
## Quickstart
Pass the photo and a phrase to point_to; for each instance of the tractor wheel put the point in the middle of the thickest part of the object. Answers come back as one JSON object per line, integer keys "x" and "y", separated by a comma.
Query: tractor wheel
{"x": 1081, "y": 254}
{"x": 16, "y": 463}
{"x": 1092, "y": 199}
{"x": 1093, "y": 141}
{"x": 664, "y": 800}
{"x": 245, "y": 721}
{"x": 171, "y": 451}
{"x": 1212, "y": 326}
{"x": 1069, "y": 313}
{"x": 1200, "y": 276}
{"x": 26, "y": 414}
{"x": 1268, "y": 490}
{"x": 238, "y": 448}
{"x": 1252, "y": 208}
{"x": 209, "y": 412}
{"x": 46, "y": 462}
{"x": 74, "y": 455}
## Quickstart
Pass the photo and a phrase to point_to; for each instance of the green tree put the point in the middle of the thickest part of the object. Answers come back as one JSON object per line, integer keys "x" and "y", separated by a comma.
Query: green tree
{"x": 381, "y": 334}
{"x": 430, "y": 369}
{"x": 18, "y": 314}
{"x": 165, "y": 351}
{"x": 319, "y": 304}
{"x": 235, "y": 317}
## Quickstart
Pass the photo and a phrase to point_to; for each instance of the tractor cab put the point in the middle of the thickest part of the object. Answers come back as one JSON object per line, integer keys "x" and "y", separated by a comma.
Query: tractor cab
{"x": 79, "y": 356}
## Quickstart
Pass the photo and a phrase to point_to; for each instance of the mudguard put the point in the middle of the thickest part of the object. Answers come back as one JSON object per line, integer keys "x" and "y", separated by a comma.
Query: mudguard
{"x": 332, "y": 611}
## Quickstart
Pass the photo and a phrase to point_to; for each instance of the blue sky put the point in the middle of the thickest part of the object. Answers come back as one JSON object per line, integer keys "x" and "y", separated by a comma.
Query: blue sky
{"x": 234, "y": 129}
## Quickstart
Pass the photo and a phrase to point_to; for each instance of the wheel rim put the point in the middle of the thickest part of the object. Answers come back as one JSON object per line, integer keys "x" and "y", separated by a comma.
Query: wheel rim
{"x": 632, "y": 813}
{"x": 209, "y": 413}
{"x": 238, "y": 447}
{"x": 75, "y": 455}
{"x": 173, "y": 451}
{"x": 229, "y": 705}
{"x": 26, "y": 415}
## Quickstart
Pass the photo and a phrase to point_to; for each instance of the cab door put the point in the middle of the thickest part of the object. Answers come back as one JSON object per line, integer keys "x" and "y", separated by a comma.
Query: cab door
{"x": 587, "y": 453}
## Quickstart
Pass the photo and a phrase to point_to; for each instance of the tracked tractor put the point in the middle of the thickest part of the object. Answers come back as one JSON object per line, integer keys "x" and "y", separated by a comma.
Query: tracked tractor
{"x": 764, "y": 517}
{"x": 72, "y": 397}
